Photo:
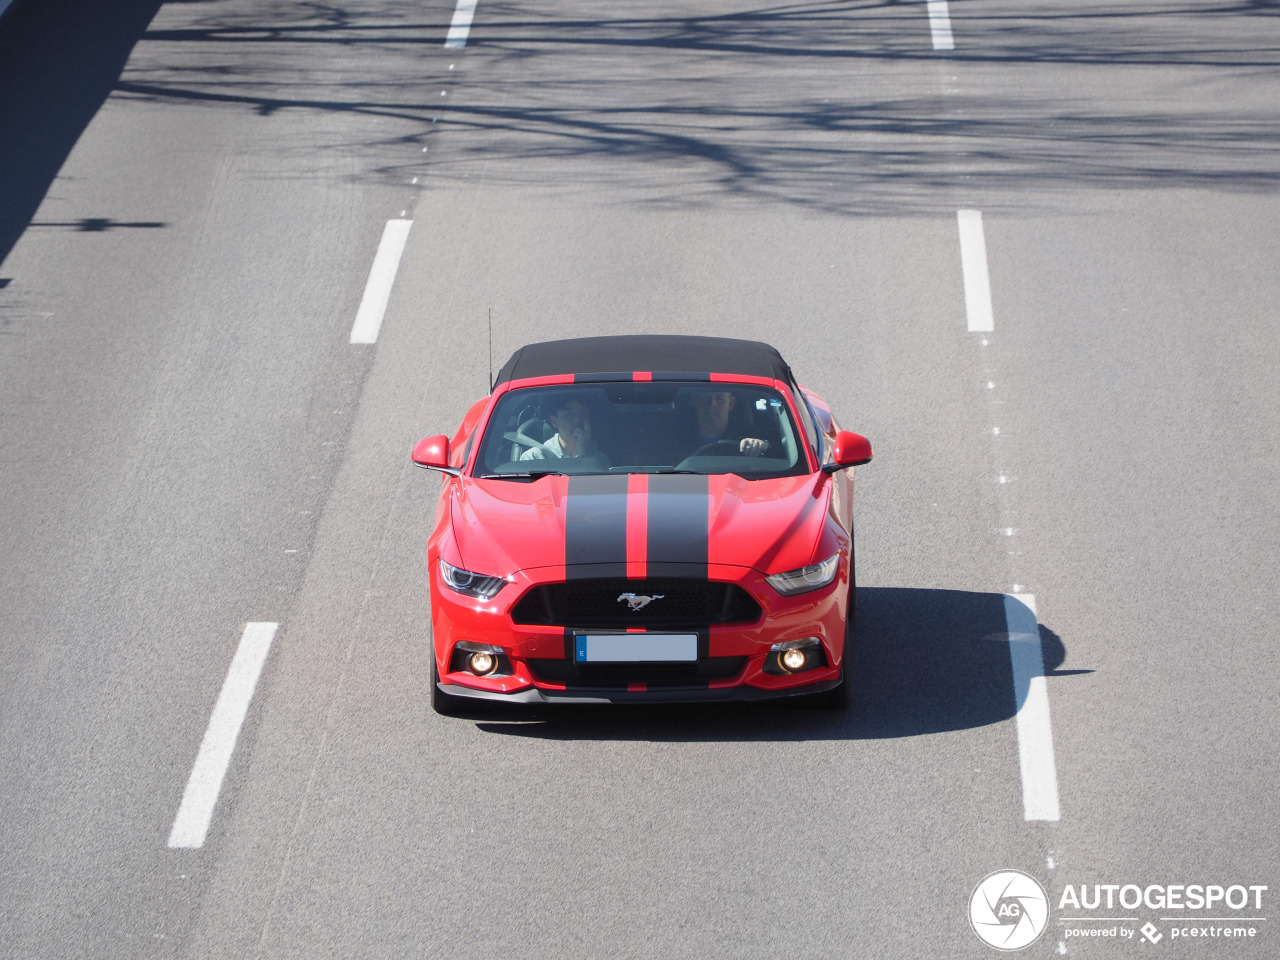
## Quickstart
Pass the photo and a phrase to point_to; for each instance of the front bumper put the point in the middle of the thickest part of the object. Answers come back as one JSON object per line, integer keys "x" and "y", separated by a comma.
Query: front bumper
{"x": 531, "y": 649}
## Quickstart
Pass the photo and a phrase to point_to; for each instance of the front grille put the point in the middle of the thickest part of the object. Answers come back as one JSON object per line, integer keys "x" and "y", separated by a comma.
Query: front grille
{"x": 597, "y": 603}
{"x": 655, "y": 675}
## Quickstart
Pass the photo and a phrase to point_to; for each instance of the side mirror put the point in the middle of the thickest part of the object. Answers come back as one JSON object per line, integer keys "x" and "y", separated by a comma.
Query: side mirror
{"x": 851, "y": 450}
{"x": 433, "y": 453}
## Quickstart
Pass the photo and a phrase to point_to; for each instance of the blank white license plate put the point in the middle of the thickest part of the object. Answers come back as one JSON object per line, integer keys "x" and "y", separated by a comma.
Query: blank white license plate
{"x": 636, "y": 647}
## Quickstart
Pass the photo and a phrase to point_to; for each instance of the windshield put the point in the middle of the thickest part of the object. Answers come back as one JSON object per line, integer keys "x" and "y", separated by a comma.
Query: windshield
{"x": 642, "y": 427}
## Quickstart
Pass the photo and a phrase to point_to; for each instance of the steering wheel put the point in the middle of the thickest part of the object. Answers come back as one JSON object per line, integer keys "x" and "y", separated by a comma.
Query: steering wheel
{"x": 523, "y": 439}
{"x": 706, "y": 447}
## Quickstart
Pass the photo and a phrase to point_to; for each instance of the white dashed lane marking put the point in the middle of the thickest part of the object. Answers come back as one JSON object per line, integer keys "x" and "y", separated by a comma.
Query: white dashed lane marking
{"x": 1035, "y": 732}
{"x": 940, "y": 25}
{"x": 461, "y": 26}
{"x": 382, "y": 276}
{"x": 977, "y": 282}
{"x": 201, "y": 796}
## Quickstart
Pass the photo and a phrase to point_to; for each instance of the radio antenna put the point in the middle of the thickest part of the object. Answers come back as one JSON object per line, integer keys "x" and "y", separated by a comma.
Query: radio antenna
{"x": 491, "y": 349}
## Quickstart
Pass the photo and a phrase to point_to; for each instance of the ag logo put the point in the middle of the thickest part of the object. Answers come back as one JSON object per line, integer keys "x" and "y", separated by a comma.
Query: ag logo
{"x": 1009, "y": 910}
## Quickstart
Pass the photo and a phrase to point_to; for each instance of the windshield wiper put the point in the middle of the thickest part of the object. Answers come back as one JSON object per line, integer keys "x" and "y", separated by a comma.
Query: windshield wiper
{"x": 531, "y": 475}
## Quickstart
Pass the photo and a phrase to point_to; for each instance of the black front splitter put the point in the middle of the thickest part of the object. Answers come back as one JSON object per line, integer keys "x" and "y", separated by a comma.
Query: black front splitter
{"x": 605, "y": 695}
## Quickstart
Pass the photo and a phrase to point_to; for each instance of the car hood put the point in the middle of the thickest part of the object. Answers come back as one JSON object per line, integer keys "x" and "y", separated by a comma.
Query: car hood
{"x": 638, "y": 525}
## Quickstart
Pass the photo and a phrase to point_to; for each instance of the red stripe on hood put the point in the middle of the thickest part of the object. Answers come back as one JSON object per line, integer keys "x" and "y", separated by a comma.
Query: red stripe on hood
{"x": 637, "y": 526}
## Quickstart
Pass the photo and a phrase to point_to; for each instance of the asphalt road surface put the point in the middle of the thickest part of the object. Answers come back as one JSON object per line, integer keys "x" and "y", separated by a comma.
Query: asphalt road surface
{"x": 192, "y": 195}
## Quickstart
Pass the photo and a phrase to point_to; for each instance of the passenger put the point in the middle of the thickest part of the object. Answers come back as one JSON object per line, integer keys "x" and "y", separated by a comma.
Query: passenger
{"x": 571, "y": 420}
{"x": 711, "y": 409}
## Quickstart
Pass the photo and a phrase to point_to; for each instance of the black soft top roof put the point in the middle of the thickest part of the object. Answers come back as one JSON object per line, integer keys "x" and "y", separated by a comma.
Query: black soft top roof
{"x": 590, "y": 356}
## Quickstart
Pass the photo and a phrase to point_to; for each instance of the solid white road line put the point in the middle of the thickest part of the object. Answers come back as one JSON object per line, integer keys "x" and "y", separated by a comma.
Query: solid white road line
{"x": 977, "y": 282}
{"x": 1035, "y": 733}
{"x": 382, "y": 275}
{"x": 201, "y": 796}
{"x": 461, "y": 25}
{"x": 940, "y": 25}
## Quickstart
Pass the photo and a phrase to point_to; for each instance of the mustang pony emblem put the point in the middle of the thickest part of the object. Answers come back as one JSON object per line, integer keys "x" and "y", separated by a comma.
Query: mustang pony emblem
{"x": 638, "y": 602}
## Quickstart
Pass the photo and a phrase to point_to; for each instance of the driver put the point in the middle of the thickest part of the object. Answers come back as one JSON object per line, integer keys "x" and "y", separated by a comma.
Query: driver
{"x": 711, "y": 409}
{"x": 571, "y": 420}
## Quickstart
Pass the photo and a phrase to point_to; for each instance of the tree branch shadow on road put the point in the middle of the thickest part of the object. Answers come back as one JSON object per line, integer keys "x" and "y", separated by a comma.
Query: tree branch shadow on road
{"x": 753, "y": 104}
{"x": 750, "y": 104}
{"x": 922, "y": 662}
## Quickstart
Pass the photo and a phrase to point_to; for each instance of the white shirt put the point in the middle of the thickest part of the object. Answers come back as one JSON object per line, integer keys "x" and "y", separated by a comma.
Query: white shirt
{"x": 554, "y": 447}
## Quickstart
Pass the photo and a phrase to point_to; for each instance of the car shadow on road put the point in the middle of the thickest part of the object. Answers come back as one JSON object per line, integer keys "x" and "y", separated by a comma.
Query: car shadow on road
{"x": 922, "y": 661}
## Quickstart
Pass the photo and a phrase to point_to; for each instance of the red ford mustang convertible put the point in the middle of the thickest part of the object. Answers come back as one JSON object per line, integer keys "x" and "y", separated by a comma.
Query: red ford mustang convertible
{"x": 642, "y": 519}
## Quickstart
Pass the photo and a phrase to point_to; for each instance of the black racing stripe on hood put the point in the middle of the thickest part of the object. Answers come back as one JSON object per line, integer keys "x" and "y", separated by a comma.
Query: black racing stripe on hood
{"x": 595, "y": 526}
{"x": 679, "y": 518}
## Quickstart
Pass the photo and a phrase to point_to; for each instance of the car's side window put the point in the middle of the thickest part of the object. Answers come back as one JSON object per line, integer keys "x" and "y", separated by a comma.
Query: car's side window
{"x": 466, "y": 452}
{"x": 806, "y": 419}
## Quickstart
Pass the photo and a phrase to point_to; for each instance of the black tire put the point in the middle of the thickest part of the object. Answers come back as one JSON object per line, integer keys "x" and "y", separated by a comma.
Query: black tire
{"x": 851, "y": 611}
{"x": 837, "y": 698}
{"x": 442, "y": 703}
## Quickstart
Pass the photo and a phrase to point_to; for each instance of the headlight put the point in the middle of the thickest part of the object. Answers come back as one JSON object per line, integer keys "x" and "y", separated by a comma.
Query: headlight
{"x": 806, "y": 578}
{"x": 470, "y": 584}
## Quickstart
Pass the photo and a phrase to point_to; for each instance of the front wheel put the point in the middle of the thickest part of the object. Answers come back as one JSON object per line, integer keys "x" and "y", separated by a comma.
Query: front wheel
{"x": 851, "y": 609}
{"x": 442, "y": 703}
{"x": 837, "y": 698}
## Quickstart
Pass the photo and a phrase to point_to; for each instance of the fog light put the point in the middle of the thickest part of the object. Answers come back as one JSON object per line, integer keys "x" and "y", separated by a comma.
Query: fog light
{"x": 795, "y": 656}
{"x": 482, "y": 664}
{"x": 792, "y": 660}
